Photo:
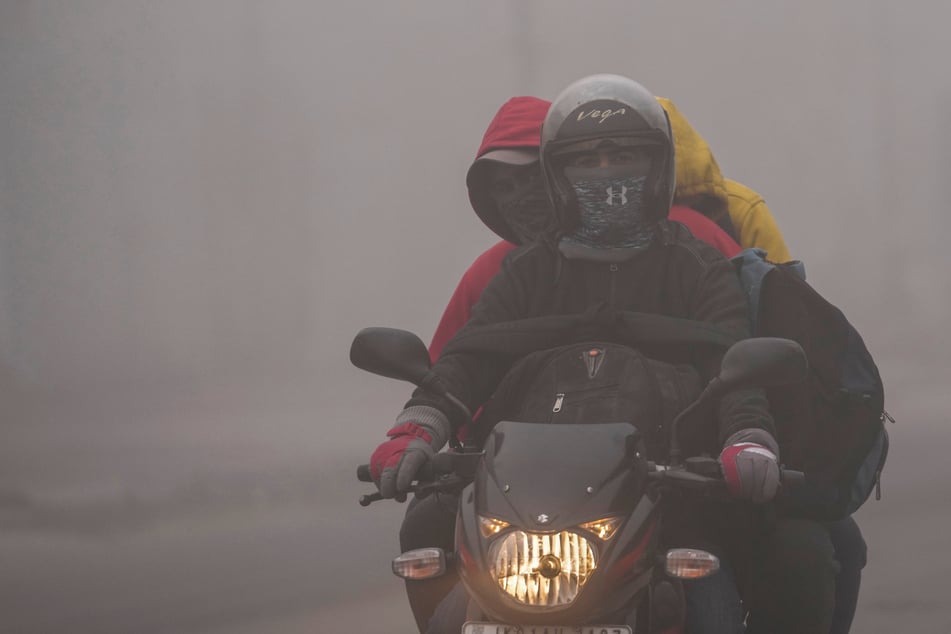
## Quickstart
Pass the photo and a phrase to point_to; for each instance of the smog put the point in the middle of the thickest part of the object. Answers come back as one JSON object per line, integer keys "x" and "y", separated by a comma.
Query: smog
{"x": 202, "y": 203}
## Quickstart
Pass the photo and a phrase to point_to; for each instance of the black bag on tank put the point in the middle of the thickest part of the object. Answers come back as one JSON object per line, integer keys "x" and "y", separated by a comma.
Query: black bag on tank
{"x": 831, "y": 426}
{"x": 594, "y": 382}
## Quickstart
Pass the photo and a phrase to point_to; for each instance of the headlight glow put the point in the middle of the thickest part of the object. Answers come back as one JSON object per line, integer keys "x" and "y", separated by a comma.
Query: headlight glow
{"x": 604, "y": 529}
{"x": 490, "y": 526}
{"x": 542, "y": 569}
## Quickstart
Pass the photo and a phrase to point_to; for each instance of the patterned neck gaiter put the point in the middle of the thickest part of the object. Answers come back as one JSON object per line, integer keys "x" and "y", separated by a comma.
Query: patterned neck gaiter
{"x": 610, "y": 208}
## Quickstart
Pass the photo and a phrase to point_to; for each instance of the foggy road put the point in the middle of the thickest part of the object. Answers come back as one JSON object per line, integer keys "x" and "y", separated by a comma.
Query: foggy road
{"x": 225, "y": 548}
{"x": 284, "y": 548}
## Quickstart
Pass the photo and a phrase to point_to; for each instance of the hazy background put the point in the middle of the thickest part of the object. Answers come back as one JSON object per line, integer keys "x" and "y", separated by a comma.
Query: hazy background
{"x": 202, "y": 202}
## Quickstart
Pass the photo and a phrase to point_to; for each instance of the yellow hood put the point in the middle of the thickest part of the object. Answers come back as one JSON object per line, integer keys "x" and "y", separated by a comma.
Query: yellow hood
{"x": 698, "y": 175}
{"x": 701, "y": 186}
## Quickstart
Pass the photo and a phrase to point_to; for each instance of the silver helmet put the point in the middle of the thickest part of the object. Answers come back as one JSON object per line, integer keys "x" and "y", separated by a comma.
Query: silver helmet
{"x": 603, "y": 110}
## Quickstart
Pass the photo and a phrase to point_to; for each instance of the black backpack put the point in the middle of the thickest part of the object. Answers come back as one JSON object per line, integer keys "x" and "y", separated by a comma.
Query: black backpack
{"x": 830, "y": 426}
{"x": 595, "y": 382}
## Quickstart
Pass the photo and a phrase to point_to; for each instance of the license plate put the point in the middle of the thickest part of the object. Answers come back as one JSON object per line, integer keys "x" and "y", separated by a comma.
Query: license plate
{"x": 501, "y": 628}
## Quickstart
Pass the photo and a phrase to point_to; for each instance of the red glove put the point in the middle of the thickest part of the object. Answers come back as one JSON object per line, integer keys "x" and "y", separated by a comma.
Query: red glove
{"x": 419, "y": 433}
{"x": 751, "y": 471}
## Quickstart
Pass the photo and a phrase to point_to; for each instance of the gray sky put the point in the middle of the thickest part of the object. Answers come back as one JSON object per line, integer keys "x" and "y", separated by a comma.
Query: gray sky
{"x": 215, "y": 187}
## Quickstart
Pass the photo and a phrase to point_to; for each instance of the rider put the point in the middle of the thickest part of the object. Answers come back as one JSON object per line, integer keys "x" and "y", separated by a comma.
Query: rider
{"x": 506, "y": 191}
{"x": 604, "y": 133}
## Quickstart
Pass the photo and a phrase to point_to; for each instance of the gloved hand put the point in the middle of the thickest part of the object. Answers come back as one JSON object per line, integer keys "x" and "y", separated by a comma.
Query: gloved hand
{"x": 750, "y": 466}
{"x": 420, "y": 432}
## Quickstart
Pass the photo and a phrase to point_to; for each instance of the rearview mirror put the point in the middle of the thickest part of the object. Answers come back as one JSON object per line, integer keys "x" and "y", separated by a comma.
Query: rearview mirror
{"x": 762, "y": 362}
{"x": 395, "y": 354}
{"x": 755, "y": 362}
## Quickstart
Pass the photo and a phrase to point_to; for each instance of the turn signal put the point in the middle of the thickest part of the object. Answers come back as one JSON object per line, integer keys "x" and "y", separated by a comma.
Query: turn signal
{"x": 490, "y": 526}
{"x": 691, "y": 563}
{"x": 422, "y": 563}
{"x": 604, "y": 529}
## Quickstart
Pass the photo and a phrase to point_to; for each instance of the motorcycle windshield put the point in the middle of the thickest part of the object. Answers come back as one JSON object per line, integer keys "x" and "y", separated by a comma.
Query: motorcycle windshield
{"x": 549, "y": 477}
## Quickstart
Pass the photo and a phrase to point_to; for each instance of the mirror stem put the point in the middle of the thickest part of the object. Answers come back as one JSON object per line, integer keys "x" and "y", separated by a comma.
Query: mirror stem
{"x": 462, "y": 406}
{"x": 708, "y": 392}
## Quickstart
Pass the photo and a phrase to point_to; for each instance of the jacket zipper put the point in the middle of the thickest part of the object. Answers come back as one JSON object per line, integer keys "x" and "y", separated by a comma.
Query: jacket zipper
{"x": 885, "y": 416}
{"x": 559, "y": 399}
{"x": 613, "y": 267}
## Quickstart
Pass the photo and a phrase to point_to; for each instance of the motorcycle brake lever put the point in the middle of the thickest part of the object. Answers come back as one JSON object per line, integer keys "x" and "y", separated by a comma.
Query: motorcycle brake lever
{"x": 446, "y": 483}
{"x": 367, "y": 500}
{"x": 370, "y": 498}
{"x": 687, "y": 479}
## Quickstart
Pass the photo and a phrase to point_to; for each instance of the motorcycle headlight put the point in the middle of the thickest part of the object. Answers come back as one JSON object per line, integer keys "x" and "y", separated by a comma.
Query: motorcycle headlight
{"x": 542, "y": 569}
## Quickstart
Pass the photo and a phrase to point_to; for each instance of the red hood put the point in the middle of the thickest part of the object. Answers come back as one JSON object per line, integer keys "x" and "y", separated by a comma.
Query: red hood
{"x": 517, "y": 125}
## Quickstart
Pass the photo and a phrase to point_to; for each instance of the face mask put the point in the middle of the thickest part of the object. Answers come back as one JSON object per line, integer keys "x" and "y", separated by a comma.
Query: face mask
{"x": 519, "y": 194}
{"x": 529, "y": 214}
{"x": 610, "y": 208}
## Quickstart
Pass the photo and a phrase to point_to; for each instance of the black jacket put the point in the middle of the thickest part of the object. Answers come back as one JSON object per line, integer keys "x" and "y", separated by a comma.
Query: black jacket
{"x": 677, "y": 276}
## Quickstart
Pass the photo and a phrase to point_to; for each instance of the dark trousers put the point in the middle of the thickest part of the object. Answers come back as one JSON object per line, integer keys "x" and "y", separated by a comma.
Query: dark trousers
{"x": 794, "y": 571}
{"x": 712, "y": 605}
{"x": 429, "y": 522}
{"x": 806, "y": 577}
{"x": 851, "y": 553}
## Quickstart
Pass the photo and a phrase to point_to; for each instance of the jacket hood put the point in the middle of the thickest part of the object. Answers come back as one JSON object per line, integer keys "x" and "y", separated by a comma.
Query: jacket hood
{"x": 700, "y": 184}
{"x": 513, "y": 137}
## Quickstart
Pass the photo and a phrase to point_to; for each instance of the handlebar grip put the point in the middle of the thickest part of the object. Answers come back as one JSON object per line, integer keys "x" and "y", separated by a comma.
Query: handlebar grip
{"x": 792, "y": 478}
{"x": 440, "y": 464}
{"x": 363, "y": 473}
{"x": 367, "y": 500}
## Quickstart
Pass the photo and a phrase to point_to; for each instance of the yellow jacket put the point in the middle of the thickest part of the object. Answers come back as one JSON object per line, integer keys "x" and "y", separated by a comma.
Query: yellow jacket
{"x": 701, "y": 186}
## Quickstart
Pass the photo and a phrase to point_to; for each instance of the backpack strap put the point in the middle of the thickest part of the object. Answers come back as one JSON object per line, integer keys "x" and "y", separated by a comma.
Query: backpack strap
{"x": 751, "y": 267}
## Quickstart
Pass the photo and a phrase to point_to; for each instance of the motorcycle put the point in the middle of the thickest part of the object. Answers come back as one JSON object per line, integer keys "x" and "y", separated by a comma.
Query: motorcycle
{"x": 560, "y": 526}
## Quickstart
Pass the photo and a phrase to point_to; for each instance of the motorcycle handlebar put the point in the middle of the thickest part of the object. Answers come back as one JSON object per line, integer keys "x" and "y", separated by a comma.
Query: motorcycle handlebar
{"x": 710, "y": 480}
{"x": 363, "y": 473}
{"x": 440, "y": 464}
{"x": 791, "y": 477}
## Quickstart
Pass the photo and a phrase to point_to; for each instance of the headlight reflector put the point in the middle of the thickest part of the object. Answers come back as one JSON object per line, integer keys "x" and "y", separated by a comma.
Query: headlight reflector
{"x": 542, "y": 569}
